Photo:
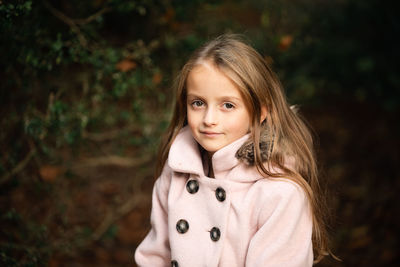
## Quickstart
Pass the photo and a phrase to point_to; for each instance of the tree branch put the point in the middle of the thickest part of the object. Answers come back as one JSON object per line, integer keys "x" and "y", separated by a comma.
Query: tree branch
{"x": 92, "y": 17}
{"x": 112, "y": 217}
{"x": 67, "y": 20}
{"x": 18, "y": 168}
{"x": 112, "y": 134}
{"x": 114, "y": 160}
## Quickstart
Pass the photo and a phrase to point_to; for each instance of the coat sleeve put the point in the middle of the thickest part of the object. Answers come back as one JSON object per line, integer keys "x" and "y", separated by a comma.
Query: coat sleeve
{"x": 284, "y": 234}
{"x": 154, "y": 250}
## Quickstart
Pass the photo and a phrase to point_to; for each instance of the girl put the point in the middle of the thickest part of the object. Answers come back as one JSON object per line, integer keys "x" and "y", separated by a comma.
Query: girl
{"x": 237, "y": 179}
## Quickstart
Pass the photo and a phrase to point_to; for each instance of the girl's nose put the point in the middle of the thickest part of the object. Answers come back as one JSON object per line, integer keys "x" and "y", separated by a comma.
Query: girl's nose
{"x": 210, "y": 117}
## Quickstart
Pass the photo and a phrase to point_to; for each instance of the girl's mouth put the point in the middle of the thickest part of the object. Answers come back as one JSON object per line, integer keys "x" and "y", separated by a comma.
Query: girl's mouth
{"x": 210, "y": 134}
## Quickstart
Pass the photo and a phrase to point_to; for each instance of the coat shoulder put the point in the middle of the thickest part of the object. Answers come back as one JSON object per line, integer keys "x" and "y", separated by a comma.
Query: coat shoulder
{"x": 279, "y": 189}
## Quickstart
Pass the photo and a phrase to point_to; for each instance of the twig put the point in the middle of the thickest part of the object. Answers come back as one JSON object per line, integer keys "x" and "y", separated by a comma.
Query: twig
{"x": 111, "y": 217}
{"x": 74, "y": 22}
{"x": 114, "y": 160}
{"x": 19, "y": 167}
{"x": 92, "y": 17}
{"x": 100, "y": 137}
{"x": 14, "y": 246}
{"x": 67, "y": 20}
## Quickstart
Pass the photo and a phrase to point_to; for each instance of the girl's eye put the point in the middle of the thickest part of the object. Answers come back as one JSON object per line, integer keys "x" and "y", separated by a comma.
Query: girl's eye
{"x": 197, "y": 103}
{"x": 228, "y": 106}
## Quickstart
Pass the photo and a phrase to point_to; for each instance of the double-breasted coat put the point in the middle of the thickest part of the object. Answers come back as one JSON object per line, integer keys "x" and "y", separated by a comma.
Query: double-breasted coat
{"x": 238, "y": 218}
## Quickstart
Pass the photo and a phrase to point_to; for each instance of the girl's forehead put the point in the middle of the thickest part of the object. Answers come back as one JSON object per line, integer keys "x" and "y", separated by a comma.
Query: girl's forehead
{"x": 209, "y": 82}
{"x": 208, "y": 74}
{"x": 204, "y": 64}
{"x": 209, "y": 67}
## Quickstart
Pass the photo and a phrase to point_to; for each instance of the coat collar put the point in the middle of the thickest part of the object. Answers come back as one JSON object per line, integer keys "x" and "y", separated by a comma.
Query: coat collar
{"x": 185, "y": 156}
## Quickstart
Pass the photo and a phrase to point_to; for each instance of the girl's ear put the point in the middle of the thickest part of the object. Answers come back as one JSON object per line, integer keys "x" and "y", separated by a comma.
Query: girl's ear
{"x": 263, "y": 114}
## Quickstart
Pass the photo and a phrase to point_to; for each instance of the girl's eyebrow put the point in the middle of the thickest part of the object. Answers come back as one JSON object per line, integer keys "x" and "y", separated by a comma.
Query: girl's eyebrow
{"x": 219, "y": 98}
{"x": 230, "y": 97}
{"x": 194, "y": 96}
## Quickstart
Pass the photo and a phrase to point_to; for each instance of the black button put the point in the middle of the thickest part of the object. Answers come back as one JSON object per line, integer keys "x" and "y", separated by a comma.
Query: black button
{"x": 192, "y": 186}
{"x": 220, "y": 194}
{"x": 174, "y": 263}
{"x": 215, "y": 234}
{"x": 182, "y": 226}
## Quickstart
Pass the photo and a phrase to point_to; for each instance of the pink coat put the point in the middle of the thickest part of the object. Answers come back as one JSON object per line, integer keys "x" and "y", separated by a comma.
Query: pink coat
{"x": 237, "y": 219}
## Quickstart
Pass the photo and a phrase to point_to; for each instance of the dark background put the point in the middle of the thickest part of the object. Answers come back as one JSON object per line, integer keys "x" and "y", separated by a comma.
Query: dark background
{"x": 85, "y": 95}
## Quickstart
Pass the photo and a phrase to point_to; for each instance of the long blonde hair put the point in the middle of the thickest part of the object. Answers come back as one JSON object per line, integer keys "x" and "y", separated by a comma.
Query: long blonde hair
{"x": 260, "y": 88}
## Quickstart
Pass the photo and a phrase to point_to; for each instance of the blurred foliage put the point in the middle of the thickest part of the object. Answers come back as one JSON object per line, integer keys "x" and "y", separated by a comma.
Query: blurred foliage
{"x": 64, "y": 76}
{"x": 75, "y": 72}
{"x": 28, "y": 247}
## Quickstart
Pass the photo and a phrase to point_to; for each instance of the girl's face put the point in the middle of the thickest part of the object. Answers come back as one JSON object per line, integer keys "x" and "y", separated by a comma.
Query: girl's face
{"x": 216, "y": 112}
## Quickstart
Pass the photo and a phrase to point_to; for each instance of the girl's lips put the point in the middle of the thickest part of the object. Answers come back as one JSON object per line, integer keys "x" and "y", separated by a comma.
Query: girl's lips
{"x": 210, "y": 133}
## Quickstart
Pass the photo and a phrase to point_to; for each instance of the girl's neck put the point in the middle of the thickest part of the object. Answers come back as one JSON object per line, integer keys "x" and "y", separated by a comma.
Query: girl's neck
{"x": 207, "y": 162}
{"x": 210, "y": 165}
